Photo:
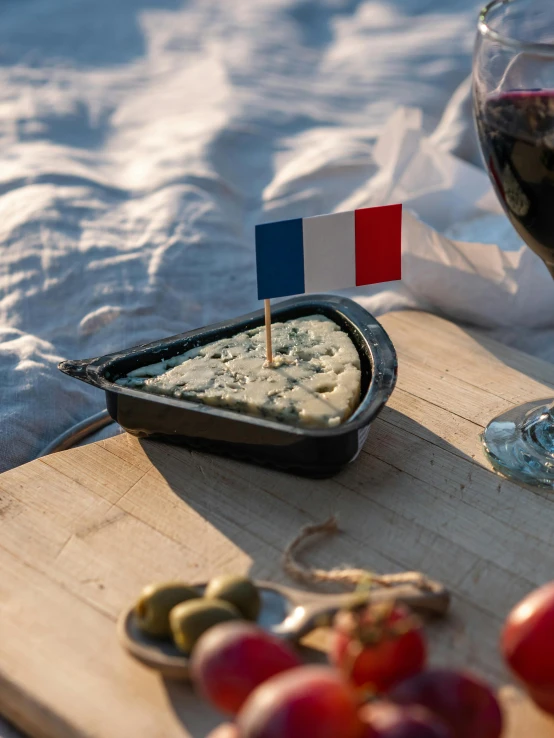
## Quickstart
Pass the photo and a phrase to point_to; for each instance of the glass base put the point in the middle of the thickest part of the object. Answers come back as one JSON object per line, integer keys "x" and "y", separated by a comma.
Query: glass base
{"x": 520, "y": 443}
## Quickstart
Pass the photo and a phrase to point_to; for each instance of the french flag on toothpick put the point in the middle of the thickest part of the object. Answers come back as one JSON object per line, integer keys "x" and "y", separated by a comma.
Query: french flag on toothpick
{"x": 329, "y": 252}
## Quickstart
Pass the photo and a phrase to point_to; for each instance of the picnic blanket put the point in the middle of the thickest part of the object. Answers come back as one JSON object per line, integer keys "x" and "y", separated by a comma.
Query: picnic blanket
{"x": 142, "y": 140}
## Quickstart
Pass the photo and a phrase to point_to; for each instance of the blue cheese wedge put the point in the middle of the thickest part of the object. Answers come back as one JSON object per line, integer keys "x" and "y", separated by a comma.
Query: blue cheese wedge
{"x": 314, "y": 381}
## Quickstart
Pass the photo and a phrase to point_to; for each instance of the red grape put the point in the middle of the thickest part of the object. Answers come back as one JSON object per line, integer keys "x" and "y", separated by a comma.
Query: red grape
{"x": 466, "y": 704}
{"x": 226, "y": 730}
{"x": 377, "y": 646}
{"x": 232, "y": 658}
{"x": 386, "y": 720}
{"x": 312, "y": 701}
{"x": 526, "y": 642}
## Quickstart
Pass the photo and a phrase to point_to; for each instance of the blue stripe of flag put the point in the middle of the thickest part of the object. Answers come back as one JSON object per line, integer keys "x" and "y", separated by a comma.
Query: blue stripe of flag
{"x": 280, "y": 259}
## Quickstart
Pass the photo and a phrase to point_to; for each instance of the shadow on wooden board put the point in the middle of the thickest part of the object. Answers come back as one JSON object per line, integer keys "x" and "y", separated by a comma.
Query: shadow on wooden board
{"x": 261, "y": 509}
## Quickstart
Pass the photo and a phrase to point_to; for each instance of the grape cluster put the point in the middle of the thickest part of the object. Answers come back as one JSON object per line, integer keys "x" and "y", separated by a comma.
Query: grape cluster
{"x": 376, "y": 684}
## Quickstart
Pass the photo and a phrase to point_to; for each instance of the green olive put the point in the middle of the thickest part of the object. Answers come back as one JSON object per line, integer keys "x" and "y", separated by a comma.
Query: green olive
{"x": 156, "y": 602}
{"x": 190, "y": 619}
{"x": 238, "y": 591}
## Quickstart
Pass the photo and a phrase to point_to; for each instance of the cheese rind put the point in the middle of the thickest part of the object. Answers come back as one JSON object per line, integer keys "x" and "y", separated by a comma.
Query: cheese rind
{"x": 315, "y": 380}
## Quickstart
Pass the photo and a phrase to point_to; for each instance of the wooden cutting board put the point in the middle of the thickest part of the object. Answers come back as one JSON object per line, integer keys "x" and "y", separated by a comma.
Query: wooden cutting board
{"x": 82, "y": 531}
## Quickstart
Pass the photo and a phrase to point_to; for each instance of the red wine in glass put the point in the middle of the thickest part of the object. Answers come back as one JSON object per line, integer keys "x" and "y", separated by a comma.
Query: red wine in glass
{"x": 516, "y": 132}
{"x": 513, "y": 95}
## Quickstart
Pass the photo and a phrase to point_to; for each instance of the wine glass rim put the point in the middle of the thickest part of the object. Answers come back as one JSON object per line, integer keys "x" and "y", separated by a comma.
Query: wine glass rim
{"x": 543, "y": 49}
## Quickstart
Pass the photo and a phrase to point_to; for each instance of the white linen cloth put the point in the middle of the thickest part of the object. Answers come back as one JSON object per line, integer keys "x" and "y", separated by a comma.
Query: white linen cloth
{"x": 141, "y": 140}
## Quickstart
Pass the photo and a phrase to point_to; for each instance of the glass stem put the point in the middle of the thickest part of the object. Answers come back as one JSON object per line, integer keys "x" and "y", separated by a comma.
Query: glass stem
{"x": 539, "y": 428}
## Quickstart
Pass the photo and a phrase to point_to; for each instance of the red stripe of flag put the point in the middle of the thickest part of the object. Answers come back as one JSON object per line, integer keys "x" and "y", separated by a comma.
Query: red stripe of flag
{"x": 378, "y": 244}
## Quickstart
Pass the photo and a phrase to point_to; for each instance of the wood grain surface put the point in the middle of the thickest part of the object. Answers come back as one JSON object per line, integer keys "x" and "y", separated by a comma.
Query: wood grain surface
{"x": 85, "y": 529}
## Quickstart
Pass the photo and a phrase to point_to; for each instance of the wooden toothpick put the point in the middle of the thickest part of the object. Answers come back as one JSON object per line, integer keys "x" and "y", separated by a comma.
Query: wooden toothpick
{"x": 269, "y": 347}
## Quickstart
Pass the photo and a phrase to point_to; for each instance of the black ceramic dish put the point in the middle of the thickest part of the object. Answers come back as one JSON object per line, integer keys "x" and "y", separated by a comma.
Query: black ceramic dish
{"x": 315, "y": 453}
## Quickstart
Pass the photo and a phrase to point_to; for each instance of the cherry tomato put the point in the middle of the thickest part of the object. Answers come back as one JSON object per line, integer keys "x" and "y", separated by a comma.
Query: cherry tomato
{"x": 386, "y": 720}
{"x": 225, "y": 730}
{"x": 233, "y": 658}
{"x": 466, "y": 704}
{"x": 526, "y": 642}
{"x": 306, "y": 702}
{"x": 376, "y": 646}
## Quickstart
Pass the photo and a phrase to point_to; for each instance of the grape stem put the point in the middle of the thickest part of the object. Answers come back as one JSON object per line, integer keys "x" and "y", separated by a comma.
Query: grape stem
{"x": 360, "y": 578}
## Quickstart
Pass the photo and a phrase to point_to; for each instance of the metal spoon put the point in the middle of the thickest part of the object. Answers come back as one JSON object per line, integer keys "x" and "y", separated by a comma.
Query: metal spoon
{"x": 287, "y": 613}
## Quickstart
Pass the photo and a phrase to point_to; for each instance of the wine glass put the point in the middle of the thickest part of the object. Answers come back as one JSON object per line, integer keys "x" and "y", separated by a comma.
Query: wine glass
{"x": 513, "y": 101}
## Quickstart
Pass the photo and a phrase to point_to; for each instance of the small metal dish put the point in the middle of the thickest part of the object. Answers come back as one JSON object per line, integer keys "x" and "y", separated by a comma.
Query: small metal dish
{"x": 316, "y": 453}
{"x": 286, "y": 612}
